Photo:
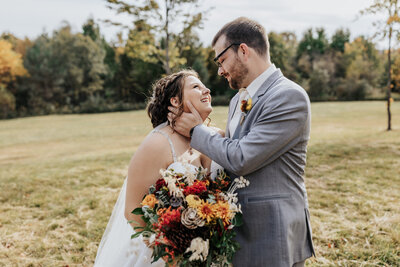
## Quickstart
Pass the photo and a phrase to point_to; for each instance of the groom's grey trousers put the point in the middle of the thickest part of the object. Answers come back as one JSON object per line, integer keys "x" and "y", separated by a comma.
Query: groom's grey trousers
{"x": 269, "y": 149}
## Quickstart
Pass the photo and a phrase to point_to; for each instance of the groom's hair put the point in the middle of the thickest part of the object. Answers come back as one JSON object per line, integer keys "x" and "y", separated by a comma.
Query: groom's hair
{"x": 244, "y": 30}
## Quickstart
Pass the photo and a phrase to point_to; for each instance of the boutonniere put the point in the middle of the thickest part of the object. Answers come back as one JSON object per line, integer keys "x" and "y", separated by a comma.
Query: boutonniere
{"x": 245, "y": 107}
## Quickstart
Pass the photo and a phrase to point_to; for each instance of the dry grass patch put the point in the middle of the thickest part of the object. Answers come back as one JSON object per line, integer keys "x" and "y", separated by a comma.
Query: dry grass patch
{"x": 60, "y": 177}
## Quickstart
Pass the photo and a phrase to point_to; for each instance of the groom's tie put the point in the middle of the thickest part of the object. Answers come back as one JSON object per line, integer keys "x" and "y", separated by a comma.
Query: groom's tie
{"x": 243, "y": 95}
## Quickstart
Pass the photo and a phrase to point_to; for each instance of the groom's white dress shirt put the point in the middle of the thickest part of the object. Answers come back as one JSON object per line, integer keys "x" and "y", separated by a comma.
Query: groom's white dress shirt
{"x": 251, "y": 90}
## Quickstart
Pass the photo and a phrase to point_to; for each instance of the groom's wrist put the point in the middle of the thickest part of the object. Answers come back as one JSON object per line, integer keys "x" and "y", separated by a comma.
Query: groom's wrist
{"x": 191, "y": 130}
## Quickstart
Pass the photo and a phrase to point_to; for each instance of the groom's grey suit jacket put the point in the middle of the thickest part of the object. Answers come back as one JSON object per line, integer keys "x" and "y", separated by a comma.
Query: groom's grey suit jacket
{"x": 268, "y": 149}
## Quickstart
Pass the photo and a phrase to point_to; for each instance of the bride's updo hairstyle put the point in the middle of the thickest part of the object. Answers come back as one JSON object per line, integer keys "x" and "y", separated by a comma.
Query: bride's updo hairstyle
{"x": 163, "y": 90}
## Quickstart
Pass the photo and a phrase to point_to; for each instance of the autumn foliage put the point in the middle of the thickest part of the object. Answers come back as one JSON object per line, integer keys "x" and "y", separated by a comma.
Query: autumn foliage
{"x": 11, "y": 66}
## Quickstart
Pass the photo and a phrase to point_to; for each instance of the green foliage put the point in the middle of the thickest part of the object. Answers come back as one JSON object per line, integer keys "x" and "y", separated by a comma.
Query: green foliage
{"x": 313, "y": 44}
{"x": 339, "y": 39}
{"x": 154, "y": 38}
{"x": 318, "y": 84}
{"x": 91, "y": 29}
{"x": 65, "y": 70}
{"x": 7, "y": 102}
{"x": 82, "y": 72}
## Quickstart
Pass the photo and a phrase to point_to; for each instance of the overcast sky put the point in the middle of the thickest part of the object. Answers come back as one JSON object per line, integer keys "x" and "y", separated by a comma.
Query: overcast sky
{"x": 31, "y": 18}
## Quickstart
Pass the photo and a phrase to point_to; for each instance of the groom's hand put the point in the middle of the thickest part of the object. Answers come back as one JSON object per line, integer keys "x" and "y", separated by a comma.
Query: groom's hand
{"x": 185, "y": 122}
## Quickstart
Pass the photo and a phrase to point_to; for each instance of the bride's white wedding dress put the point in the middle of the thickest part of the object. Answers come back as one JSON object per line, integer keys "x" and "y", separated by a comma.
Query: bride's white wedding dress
{"x": 116, "y": 248}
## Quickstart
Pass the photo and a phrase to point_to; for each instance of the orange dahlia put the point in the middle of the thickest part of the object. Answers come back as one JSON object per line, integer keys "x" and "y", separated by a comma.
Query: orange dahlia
{"x": 206, "y": 211}
{"x": 223, "y": 211}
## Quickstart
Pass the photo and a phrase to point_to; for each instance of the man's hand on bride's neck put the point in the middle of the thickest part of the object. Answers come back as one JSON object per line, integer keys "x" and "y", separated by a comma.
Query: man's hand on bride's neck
{"x": 185, "y": 122}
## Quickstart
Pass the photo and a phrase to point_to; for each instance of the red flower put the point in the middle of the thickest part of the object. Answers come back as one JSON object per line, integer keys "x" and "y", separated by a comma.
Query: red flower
{"x": 169, "y": 217}
{"x": 160, "y": 184}
{"x": 197, "y": 188}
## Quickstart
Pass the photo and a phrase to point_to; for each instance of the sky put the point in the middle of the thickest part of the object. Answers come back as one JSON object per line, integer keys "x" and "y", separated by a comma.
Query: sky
{"x": 31, "y": 18}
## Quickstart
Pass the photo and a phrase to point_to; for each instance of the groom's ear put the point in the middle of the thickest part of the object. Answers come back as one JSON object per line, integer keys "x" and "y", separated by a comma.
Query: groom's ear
{"x": 244, "y": 51}
{"x": 174, "y": 101}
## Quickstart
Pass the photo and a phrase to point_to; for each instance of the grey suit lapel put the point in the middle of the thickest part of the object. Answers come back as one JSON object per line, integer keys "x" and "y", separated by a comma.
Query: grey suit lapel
{"x": 260, "y": 92}
{"x": 266, "y": 85}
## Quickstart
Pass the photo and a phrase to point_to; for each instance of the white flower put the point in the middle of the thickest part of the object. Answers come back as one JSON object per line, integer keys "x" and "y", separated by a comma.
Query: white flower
{"x": 229, "y": 197}
{"x": 152, "y": 238}
{"x": 235, "y": 208}
{"x": 173, "y": 189}
{"x": 189, "y": 175}
{"x": 240, "y": 182}
{"x": 199, "y": 249}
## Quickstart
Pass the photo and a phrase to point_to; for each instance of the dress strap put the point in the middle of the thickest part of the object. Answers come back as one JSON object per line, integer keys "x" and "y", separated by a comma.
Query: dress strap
{"x": 170, "y": 142}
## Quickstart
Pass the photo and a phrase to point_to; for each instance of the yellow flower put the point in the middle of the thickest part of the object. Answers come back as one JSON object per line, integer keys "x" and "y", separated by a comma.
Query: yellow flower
{"x": 246, "y": 105}
{"x": 150, "y": 200}
{"x": 223, "y": 211}
{"x": 193, "y": 201}
{"x": 206, "y": 211}
{"x": 249, "y": 102}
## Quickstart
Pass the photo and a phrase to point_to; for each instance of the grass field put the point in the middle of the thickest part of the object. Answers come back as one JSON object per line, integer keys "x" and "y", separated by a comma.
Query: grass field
{"x": 60, "y": 176}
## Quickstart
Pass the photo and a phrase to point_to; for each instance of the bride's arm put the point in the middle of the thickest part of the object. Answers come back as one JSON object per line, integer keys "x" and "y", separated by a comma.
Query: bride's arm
{"x": 144, "y": 170}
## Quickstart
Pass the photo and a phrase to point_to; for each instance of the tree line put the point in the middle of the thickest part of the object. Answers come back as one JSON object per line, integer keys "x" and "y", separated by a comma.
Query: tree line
{"x": 81, "y": 72}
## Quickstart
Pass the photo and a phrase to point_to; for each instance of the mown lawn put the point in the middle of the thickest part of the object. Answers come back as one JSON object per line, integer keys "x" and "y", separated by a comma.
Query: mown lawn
{"x": 60, "y": 176}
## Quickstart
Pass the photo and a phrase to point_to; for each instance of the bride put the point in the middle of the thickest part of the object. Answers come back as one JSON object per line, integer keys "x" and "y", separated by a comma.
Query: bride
{"x": 159, "y": 150}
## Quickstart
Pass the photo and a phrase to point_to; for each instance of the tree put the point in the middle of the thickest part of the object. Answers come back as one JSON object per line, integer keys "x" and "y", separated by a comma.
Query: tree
{"x": 282, "y": 52}
{"x": 65, "y": 70}
{"x": 11, "y": 66}
{"x": 362, "y": 71}
{"x": 339, "y": 39}
{"x": 91, "y": 29}
{"x": 313, "y": 44}
{"x": 152, "y": 36}
{"x": 396, "y": 71}
{"x": 386, "y": 29}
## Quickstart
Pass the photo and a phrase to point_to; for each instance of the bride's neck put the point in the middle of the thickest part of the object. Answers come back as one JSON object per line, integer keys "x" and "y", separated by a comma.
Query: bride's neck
{"x": 178, "y": 134}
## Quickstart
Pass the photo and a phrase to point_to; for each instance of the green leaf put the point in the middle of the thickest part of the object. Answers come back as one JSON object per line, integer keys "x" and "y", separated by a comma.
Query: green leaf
{"x": 238, "y": 219}
{"x": 138, "y": 211}
{"x": 135, "y": 235}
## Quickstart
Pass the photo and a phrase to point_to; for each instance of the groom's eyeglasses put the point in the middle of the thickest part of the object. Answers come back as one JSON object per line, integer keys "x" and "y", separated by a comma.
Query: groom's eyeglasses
{"x": 220, "y": 54}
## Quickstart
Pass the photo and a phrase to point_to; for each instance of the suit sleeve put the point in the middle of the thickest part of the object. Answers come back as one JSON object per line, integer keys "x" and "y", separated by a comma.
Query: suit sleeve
{"x": 278, "y": 127}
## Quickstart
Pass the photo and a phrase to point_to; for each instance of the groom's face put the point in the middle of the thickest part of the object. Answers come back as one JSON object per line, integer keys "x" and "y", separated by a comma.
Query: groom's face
{"x": 230, "y": 65}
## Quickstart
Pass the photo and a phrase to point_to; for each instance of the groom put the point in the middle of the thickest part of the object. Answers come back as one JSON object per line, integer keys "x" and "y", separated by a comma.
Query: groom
{"x": 266, "y": 140}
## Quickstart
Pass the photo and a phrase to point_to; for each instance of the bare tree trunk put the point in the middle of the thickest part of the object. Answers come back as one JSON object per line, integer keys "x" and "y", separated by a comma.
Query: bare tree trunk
{"x": 166, "y": 64}
{"x": 389, "y": 91}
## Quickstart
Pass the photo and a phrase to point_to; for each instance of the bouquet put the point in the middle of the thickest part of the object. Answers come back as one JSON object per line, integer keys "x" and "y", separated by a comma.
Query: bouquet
{"x": 189, "y": 218}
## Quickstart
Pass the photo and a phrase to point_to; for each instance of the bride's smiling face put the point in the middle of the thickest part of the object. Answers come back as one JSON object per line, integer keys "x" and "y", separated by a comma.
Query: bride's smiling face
{"x": 198, "y": 94}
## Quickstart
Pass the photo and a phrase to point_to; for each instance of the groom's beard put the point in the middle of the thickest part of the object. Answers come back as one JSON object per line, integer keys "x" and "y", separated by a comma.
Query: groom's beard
{"x": 238, "y": 74}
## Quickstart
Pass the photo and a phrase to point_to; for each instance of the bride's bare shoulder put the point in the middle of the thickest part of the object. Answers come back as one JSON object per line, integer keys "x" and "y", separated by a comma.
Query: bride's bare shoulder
{"x": 155, "y": 147}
